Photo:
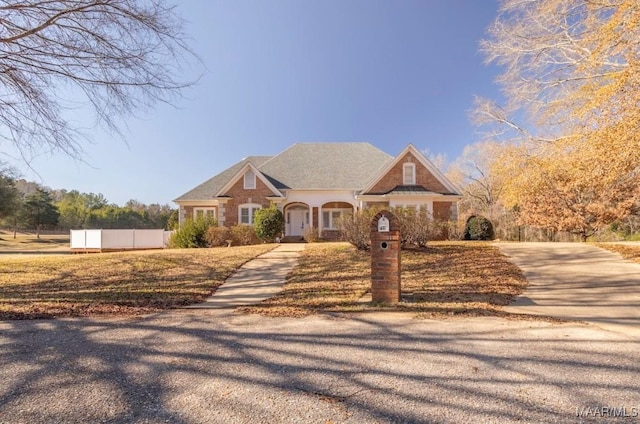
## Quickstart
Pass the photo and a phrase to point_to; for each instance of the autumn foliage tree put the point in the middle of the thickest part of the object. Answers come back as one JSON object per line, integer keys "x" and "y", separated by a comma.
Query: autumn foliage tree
{"x": 572, "y": 69}
{"x": 569, "y": 187}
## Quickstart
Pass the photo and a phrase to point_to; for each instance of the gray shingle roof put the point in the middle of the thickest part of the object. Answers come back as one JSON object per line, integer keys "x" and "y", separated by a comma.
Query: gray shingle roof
{"x": 315, "y": 166}
{"x": 326, "y": 166}
{"x": 212, "y": 186}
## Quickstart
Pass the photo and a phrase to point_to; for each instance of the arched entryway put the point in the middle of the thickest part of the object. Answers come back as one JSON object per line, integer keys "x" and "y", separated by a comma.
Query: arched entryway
{"x": 296, "y": 217}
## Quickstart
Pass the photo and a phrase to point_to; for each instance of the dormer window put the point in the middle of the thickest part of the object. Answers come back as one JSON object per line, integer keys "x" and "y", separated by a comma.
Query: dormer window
{"x": 409, "y": 173}
{"x": 249, "y": 180}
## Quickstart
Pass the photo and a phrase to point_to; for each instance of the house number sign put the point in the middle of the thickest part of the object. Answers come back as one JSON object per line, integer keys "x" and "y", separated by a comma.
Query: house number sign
{"x": 383, "y": 224}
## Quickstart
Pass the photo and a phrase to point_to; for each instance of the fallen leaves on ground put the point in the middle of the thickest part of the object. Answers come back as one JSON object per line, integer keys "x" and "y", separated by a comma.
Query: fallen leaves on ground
{"x": 127, "y": 283}
{"x": 447, "y": 278}
{"x": 627, "y": 251}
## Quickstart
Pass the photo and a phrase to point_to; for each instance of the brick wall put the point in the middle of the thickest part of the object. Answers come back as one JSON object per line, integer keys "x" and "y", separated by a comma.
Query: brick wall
{"x": 240, "y": 196}
{"x": 337, "y": 205}
{"x": 331, "y": 235}
{"x": 395, "y": 177}
{"x": 188, "y": 212}
{"x": 442, "y": 211}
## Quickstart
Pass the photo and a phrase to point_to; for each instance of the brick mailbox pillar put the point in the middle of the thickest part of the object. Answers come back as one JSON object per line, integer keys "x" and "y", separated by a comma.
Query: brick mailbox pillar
{"x": 385, "y": 258}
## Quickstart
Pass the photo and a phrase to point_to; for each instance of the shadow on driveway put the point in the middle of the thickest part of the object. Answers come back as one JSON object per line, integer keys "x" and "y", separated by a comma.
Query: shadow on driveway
{"x": 217, "y": 366}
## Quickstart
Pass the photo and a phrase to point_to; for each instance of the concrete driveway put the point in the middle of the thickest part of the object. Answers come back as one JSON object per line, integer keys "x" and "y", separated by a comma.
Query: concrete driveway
{"x": 578, "y": 281}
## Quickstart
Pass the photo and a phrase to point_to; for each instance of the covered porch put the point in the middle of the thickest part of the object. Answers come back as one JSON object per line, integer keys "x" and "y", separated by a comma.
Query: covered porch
{"x": 323, "y": 219}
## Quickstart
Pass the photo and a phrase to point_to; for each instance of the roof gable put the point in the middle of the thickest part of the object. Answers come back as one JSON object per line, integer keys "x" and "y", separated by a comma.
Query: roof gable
{"x": 240, "y": 174}
{"x": 211, "y": 187}
{"x": 429, "y": 176}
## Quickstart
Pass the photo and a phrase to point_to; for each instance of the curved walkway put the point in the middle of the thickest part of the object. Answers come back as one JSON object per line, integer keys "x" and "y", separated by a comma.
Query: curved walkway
{"x": 255, "y": 281}
{"x": 577, "y": 281}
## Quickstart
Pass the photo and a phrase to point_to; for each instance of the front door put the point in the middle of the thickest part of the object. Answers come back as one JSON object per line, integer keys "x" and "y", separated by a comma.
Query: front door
{"x": 296, "y": 222}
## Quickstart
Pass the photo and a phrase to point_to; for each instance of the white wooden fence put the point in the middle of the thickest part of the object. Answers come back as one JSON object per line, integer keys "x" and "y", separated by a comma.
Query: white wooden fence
{"x": 99, "y": 240}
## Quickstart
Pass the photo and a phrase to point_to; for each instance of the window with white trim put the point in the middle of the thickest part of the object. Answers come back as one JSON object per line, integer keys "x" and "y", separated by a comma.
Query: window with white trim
{"x": 206, "y": 212}
{"x": 330, "y": 218}
{"x": 409, "y": 173}
{"x": 249, "y": 180}
{"x": 247, "y": 212}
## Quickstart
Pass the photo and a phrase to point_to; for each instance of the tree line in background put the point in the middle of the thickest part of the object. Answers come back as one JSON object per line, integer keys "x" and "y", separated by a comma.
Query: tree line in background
{"x": 30, "y": 207}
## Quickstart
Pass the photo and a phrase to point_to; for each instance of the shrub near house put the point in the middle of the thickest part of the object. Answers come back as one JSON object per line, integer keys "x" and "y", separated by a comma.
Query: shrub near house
{"x": 478, "y": 228}
{"x": 269, "y": 223}
{"x": 205, "y": 232}
{"x": 192, "y": 233}
{"x": 417, "y": 227}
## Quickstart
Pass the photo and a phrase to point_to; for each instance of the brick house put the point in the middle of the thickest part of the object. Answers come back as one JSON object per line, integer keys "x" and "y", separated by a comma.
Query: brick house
{"x": 313, "y": 184}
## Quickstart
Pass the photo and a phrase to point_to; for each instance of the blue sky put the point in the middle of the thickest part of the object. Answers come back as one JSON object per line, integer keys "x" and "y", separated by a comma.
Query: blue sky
{"x": 285, "y": 71}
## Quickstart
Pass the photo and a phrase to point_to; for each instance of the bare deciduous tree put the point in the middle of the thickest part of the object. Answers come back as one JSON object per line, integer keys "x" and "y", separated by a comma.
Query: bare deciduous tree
{"x": 472, "y": 172}
{"x": 568, "y": 62}
{"x": 117, "y": 56}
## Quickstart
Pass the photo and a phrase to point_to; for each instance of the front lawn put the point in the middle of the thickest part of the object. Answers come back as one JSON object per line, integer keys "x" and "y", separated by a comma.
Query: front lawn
{"x": 447, "y": 278}
{"x": 115, "y": 283}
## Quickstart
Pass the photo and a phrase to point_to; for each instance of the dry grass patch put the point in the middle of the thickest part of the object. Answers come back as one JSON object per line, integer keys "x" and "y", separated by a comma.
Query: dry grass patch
{"x": 328, "y": 276}
{"x": 115, "y": 283}
{"x": 446, "y": 278}
{"x": 627, "y": 251}
{"x": 29, "y": 241}
{"x": 469, "y": 278}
